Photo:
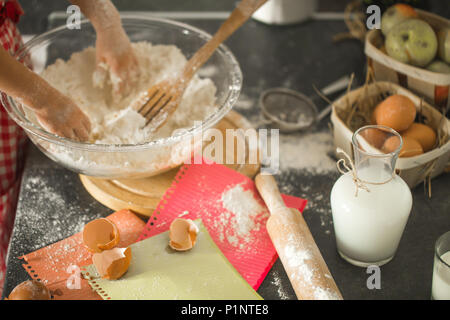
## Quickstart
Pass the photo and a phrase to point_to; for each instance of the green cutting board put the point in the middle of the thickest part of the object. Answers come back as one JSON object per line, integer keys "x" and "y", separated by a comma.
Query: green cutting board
{"x": 157, "y": 272}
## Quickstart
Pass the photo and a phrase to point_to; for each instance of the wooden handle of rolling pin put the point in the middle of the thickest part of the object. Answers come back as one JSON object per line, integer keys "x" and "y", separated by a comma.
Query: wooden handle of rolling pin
{"x": 304, "y": 265}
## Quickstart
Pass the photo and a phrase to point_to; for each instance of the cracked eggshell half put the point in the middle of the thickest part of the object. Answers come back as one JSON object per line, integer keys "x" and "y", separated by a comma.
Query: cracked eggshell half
{"x": 112, "y": 264}
{"x": 182, "y": 234}
{"x": 100, "y": 234}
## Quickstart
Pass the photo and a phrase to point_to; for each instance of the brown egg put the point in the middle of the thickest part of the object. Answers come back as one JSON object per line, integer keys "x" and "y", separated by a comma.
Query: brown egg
{"x": 100, "y": 234}
{"x": 375, "y": 137}
{"x": 422, "y": 133}
{"x": 391, "y": 144}
{"x": 411, "y": 147}
{"x": 182, "y": 234}
{"x": 373, "y": 118}
{"x": 397, "y": 112}
{"x": 30, "y": 290}
{"x": 112, "y": 264}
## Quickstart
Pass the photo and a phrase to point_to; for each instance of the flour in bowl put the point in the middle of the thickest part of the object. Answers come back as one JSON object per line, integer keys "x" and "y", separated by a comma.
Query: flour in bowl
{"x": 115, "y": 122}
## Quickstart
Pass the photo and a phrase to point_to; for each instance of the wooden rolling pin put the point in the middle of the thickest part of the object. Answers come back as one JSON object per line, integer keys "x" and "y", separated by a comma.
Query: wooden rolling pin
{"x": 304, "y": 265}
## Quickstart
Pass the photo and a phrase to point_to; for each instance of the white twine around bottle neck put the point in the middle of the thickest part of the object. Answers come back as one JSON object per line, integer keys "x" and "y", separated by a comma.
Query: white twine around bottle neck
{"x": 359, "y": 183}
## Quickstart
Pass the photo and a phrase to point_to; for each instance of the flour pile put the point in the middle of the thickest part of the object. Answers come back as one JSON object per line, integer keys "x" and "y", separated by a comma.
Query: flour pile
{"x": 243, "y": 214}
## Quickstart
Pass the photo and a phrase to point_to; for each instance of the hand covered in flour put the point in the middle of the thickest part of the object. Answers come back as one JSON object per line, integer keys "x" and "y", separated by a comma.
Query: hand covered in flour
{"x": 56, "y": 112}
{"x": 116, "y": 62}
{"x": 61, "y": 116}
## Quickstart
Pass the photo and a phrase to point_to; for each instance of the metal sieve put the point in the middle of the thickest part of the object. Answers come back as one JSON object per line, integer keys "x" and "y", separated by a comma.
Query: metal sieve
{"x": 290, "y": 111}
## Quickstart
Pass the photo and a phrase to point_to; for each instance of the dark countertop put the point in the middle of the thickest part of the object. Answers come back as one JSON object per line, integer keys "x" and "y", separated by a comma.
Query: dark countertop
{"x": 54, "y": 205}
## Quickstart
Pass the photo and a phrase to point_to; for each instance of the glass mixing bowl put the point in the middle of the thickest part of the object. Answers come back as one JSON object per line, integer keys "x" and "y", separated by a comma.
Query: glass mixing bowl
{"x": 129, "y": 160}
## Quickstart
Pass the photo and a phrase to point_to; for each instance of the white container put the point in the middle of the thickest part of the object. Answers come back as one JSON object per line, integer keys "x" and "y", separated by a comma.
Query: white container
{"x": 441, "y": 271}
{"x": 414, "y": 170}
{"x": 369, "y": 223}
{"x": 285, "y": 11}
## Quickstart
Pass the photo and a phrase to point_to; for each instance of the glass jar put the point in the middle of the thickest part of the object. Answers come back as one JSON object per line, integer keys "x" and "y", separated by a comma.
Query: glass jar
{"x": 441, "y": 269}
{"x": 370, "y": 203}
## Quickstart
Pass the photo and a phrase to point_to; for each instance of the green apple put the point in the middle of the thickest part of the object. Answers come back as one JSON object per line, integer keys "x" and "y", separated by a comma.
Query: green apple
{"x": 439, "y": 66}
{"x": 396, "y": 14}
{"x": 444, "y": 44}
{"x": 412, "y": 41}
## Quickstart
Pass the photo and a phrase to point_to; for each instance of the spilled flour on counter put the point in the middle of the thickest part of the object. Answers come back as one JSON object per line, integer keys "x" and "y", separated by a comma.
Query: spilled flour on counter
{"x": 280, "y": 289}
{"x": 243, "y": 213}
{"x": 311, "y": 151}
{"x": 40, "y": 213}
{"x": 308, "y": 151}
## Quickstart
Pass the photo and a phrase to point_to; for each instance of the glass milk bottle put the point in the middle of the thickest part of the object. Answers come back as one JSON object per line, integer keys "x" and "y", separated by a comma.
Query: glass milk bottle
{"x": 369, "y": 202}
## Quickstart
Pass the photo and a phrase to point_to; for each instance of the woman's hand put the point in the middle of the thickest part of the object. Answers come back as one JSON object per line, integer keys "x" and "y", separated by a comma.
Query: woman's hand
{"x": 56, "y": 112}
{"x": 61, "y": 116}
{"x": 116, "y": 62}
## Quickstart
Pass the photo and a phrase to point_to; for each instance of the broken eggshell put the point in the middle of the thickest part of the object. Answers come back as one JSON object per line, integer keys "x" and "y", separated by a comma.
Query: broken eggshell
{"x": 30, "y": 290}
{"x": 182, "y": 234}
{"x": 100, "y": 234}
{"x": 112, "y": 264}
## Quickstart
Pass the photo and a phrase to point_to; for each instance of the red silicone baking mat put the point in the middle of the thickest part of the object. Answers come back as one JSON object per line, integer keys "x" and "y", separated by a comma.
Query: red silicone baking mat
{"x": 54, "y": 264}
{"x": 232, "y": 211}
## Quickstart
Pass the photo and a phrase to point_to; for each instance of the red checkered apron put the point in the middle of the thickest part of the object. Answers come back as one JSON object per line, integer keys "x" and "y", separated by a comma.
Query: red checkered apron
{"x": 12, "y": 139}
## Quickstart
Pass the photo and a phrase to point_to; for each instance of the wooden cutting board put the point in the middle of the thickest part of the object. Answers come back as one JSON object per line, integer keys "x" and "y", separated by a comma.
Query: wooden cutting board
{"x": 143, "y": 195}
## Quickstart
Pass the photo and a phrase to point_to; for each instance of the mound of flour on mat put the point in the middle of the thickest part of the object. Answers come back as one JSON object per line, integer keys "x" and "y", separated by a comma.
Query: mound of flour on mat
{"x": 115, "y": 122}
{"x": 244, "y": 215}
